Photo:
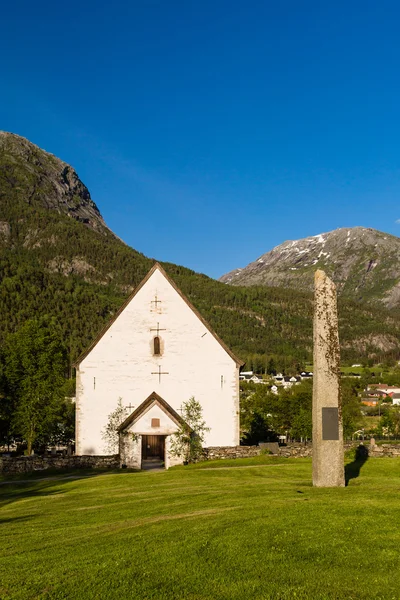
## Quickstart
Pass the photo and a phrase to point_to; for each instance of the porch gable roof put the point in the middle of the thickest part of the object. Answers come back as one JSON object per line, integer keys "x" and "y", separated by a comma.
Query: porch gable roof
{"x": 153, "y": 399}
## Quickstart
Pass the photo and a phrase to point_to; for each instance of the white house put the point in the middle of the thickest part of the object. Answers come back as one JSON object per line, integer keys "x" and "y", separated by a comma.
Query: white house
{"x": 156, "y": 353}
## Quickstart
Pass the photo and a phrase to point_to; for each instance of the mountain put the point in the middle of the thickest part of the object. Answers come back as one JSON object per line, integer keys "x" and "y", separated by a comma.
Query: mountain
{"x": 59, "y": 258}
{"x": 364, "y": 264}
{"x": 44, "y": 181}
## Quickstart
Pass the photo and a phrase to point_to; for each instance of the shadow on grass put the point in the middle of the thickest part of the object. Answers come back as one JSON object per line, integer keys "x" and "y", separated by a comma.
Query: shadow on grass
{"x": 13, "y": 519}
{"x": 41, "y": 484}
{"x": 352, "y": 470}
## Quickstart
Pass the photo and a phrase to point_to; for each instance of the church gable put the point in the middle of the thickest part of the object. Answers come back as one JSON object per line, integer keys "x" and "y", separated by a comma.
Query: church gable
{"x": 157, "y": 306}
{"x": 157, "y": 343}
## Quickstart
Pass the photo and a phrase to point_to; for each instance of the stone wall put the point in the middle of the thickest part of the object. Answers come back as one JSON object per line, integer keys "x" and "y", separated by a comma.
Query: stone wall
{"x": 292, "y": 450}
{"x": 301, "y": 450}
{"x": 391, "y": 450}
{"x": 28, "y": 464}
{"x": 221, "y": 452}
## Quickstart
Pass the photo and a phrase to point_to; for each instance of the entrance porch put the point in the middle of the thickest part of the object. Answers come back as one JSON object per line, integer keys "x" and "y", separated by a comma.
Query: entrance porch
{"x": 144, "y": 437}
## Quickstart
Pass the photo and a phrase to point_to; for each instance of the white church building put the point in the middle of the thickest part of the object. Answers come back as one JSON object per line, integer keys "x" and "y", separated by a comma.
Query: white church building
{"x": 156, "y": 353}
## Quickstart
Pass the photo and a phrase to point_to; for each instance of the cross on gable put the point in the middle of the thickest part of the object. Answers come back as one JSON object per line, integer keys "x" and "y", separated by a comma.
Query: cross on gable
{"x": 155, "y": 302}
{"x": 159, "y": 373}
{"x": 130, "y": 407}
{"x": 158, "y": 329}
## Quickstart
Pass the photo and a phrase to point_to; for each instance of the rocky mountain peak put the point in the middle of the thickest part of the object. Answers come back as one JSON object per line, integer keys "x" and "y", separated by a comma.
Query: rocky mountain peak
{"x": 363, "y": 262}
{"x": 45, "y": 181}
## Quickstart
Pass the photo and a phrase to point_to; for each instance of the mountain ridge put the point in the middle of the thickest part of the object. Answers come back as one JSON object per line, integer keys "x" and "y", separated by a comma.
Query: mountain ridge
{"x": 363, "y": 262}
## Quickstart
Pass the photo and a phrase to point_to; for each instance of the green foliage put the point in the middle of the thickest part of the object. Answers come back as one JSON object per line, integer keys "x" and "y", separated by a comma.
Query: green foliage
{"x": 35, "y": 362}
{"x": 351, "y": 406}
{"x": 110, "y": 433}
{"x": 389, "y": 423}
{"x": 264, "y": 415}
{"x": 6, "y": 416}
{"x": 188, "y": 441}
{"x": 350, "y": 454}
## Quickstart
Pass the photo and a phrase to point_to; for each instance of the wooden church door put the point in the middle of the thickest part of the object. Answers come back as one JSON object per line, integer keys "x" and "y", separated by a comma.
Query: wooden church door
{"x": 153, "y": 446}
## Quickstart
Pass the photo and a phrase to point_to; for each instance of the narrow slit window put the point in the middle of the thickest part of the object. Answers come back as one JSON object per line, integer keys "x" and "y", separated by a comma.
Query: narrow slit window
{"x": 157, "y": 345}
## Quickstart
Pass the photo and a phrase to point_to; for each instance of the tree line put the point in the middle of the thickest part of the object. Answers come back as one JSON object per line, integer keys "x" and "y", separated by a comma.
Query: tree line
{"x": 35, "y": 395}
{"x": 265, "y": 415}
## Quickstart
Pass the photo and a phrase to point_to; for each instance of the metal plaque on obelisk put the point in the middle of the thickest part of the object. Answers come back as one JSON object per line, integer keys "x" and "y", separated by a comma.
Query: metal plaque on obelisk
{"x": 328, "y": 457}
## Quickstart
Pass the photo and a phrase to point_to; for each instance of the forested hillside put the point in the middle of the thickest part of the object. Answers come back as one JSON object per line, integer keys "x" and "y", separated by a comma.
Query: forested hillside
{"x": 58, "y": 258}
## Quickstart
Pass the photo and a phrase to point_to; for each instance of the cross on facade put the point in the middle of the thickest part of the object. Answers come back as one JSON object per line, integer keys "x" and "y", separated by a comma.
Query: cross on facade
{"x": 159, "y": 373}
{"x": 156, "y": 302}
{"x": 130, "y": 407}
{"x": 157, "y": 329}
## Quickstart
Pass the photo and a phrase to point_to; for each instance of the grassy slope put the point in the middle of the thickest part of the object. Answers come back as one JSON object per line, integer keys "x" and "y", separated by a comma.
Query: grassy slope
{"x": 258, "y": 532}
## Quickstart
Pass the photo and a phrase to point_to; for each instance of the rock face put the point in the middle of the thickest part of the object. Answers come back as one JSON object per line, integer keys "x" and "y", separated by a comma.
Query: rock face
{"x": 363, "y": 263}
{"x": 328, "y": 454}
{"x": 44, "y": 181}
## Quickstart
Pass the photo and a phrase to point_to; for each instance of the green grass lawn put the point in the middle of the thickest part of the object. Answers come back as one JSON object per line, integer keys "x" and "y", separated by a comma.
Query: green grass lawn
{"x": 257, "y": 530}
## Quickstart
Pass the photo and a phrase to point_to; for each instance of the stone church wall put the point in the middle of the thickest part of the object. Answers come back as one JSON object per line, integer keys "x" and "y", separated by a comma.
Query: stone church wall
{"x": 130, "y": 451}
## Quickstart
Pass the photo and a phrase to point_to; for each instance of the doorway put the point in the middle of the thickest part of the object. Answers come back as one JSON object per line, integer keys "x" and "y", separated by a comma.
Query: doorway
{"x": 153, "y": 451}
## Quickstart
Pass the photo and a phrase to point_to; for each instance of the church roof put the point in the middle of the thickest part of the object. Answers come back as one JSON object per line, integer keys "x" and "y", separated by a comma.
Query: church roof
{"x": 155, "y": 267}
{"x": 154, "y": 398}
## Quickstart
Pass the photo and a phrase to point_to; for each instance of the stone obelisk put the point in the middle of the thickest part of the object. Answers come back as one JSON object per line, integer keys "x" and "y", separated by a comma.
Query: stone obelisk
{"x": 328, "y": 457}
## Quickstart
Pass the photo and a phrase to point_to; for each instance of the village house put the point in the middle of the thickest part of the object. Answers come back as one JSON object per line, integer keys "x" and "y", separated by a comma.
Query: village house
{"x": 396, "y": 398}
{"x": 306, "y": 375}
{"x": 285, "y": 382}
{"x": 258, "y": 379}
{"x": 155, "y": 354}
{"x": 250, "y": 376}
{"x": 245, "y": 375}
{"x": 382, "y": 390}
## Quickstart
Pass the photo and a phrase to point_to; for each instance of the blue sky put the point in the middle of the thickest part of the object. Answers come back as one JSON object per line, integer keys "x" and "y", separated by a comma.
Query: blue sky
{"x": 209, "y": 132}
